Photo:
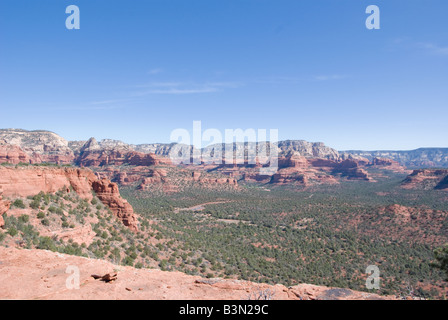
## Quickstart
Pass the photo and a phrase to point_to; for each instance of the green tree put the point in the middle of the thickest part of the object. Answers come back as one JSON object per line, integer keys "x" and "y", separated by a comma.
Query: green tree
{"x": 441, "y": 255}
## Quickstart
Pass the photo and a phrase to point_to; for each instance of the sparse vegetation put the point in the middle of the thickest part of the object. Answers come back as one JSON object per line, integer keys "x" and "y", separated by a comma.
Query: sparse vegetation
{"x": 441, "y": 255}
{"x": 324, "y": 235}
{"x": 18, "y": 203}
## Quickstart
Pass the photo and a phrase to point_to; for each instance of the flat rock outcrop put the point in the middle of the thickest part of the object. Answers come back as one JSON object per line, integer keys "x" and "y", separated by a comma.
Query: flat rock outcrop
{"x": 45, "y": 275}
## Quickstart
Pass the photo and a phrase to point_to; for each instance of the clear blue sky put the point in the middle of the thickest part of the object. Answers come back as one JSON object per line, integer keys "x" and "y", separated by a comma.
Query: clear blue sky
{"x": 136, "y": 70}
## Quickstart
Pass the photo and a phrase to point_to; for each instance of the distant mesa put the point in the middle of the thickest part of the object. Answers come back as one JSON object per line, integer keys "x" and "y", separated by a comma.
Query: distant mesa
{"x": 35, "y": 147}
{"x": 419, "y": 158}
{"x": 300, "y": 162}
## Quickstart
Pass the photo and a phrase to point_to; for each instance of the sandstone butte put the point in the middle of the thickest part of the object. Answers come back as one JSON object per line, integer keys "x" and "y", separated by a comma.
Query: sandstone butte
{"x": 29, "y": 181}
{"x": 427, "y": 178}
{"x": 45, "y": 275}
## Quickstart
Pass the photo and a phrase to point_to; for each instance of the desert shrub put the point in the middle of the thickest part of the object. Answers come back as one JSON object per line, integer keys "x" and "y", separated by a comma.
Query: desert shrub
{"x": 12, "y": 231}
{"x": 19, "y": 204}
{"x": 46, "y": 243}
{"x": 5, "y": 164}
{"x": 35, "y": 204}
{"x": 128, "y": 261}
{"x": 22, "y": 164}
{"x": 46, "y": 199}
{"x": 72, "y": 249}
{"x": 52, "y": 209}
{"x": 24, "y": 218}
{"x": 163, "y": 265}
{"x": 56, "y": 210}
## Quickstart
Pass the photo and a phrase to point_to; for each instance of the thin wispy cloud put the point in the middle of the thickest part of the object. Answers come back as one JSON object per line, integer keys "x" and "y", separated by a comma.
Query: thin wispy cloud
{"x": 176, "y": 91}
{"x": 329, "y": 77}
{"x": 108, "y": 102}
{"x": 409, "y": 44}
{"x": 435, "y": 49}
{"x": 179, "y": 88}
{"x": 88, "y": 107}
{"x": 155, "y": 71}
{"x": 279, "y": 80}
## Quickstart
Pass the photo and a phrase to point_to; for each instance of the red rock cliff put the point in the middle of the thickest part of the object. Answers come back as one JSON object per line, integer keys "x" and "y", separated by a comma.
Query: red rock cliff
{"x": 4, "y": 206}
{"x": 109, "y": 194}
{"x": 29, "y": 181}
{"x": 12, "y": 154}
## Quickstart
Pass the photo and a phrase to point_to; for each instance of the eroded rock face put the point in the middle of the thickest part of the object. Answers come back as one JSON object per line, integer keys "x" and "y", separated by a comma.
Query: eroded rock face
{"x": 308, "y": 149}
{"x": 285, "y": 176}
{"x": 294, "y": 160}
{"x": 94, "y": 154}
{"x": 443, "y": 185}
{"x": 12, "y": 154}
{"x": 387, "y": 164}
{"x": 298, "y": 169}
{"x": 351, "y": 170}
{"x": 145, "y": 159}
{"x": 29, "y": 181}
{"x": 426, "y": 179}
{"x": 39, "y": 146}
{"x": 4, "y": 206}
{"x": 109, "y": 194}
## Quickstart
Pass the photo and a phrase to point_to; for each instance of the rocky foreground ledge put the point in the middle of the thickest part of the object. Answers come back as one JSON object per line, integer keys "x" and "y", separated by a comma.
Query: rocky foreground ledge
{"x": 42, "y": 275}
